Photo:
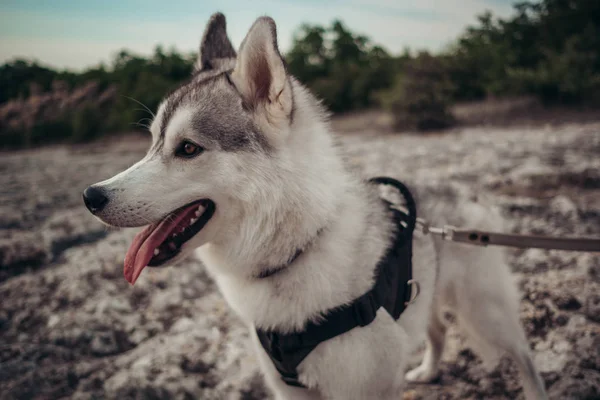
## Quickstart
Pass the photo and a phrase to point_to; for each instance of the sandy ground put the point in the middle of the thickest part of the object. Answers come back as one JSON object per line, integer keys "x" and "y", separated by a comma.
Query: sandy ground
{"x": 71, "y": 326}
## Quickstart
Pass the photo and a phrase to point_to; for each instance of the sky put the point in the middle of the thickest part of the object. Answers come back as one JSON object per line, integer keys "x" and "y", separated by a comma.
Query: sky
{"x": 76, "y": 34}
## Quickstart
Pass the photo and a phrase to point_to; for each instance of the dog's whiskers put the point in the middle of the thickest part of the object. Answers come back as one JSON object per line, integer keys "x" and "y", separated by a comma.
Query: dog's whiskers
{"x": 141, "y": 104}
{"x": 142, "y": 125}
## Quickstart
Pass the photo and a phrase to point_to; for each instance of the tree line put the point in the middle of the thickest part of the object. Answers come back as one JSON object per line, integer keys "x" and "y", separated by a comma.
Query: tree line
{"x": 549, "y": 49}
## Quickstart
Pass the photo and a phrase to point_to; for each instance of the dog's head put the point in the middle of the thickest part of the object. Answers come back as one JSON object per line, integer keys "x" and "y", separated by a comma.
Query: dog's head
{"x": 218, "y": 144}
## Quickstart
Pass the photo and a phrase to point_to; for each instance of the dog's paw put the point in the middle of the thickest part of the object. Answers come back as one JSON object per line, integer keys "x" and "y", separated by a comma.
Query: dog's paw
{"x": 421, "y": 374}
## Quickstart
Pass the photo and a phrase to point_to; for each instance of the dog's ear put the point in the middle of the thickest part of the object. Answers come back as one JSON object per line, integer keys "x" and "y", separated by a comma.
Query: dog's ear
{"x": 260, "y": 74}
{"x": 215, "y": 44}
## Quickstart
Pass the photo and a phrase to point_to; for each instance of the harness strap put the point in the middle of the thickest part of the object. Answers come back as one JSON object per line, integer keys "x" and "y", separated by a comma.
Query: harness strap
{"x": 392, "y": 290}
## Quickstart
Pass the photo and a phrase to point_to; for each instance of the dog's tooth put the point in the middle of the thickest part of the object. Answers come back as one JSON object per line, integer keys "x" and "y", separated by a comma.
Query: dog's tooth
{"x": 156, "y": 251}
{"x": 182, "y": 229}
{"x": 198, "y": 213}
{"x": 172, "y": 246}
{"x": 193, "y": 220}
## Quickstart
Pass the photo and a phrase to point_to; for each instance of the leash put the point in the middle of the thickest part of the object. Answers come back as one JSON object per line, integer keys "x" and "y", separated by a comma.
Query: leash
{"x": 485, "y": 238}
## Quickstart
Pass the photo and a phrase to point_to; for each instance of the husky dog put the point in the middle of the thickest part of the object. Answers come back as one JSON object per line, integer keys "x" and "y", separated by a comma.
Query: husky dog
{"x": 244, "y": 171}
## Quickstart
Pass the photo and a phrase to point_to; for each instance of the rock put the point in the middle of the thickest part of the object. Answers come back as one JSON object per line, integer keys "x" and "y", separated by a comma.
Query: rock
{"x": 576, "y": 324}
{"x": 22, "y": 249}
{"x": 254, "y": 388}
{"x": 533, "y": 260}
{"x": 411, "y": 395}
{"x": 566, "y": 301}
{"x": 561, "y": 320}
{"x": 109, "y": 342}
{"x": 564, "y": 205}
{"x": 70, "y": 228}
{"x": 539, "y": 320}
{"x": 182, "y": 325}
{"x": 592, "y": 307}
{"x": 550, "y": 361}
{"x": 584, "y": 384}
{"x": 562, "y": 346}
{"x": 594, "y": 271}
{"x": 148, "y": 391}
{"x": 591, "y": 357}
{"x": 103, "y": 344}
{"x": 52, "y": 321}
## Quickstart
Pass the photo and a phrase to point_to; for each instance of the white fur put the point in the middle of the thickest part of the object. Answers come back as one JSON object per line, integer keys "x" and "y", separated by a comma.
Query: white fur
{"x": 269, "y": 205}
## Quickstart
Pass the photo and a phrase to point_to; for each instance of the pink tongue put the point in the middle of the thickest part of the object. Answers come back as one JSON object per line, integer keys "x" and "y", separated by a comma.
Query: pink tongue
{"x": 142, "y": 248}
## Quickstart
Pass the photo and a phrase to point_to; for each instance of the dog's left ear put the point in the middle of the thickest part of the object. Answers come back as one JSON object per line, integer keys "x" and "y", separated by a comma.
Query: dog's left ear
{"x": 260, "y": 74}
{"x": 215, "y": 44}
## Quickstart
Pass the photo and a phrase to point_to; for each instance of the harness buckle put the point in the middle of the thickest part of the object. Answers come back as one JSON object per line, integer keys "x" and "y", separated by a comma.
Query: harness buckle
{"x": 415, "y": 289}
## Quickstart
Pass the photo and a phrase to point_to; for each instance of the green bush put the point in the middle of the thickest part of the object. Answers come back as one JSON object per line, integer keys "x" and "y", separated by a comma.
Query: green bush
{"x": 12, "y": 139}
{"x": 41, "y": 133}
{"x": 86, "y": 124}
{"x": 421, "y": 95}
{"x": 342, "y": 68}
{"x": 146, "y": 80}
{"x": 548, "y": 48}
{"x": 49, "y": 132}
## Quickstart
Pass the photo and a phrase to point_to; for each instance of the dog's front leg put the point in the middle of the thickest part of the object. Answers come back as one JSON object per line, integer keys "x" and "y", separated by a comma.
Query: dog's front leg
{"x": 280, "y": 389}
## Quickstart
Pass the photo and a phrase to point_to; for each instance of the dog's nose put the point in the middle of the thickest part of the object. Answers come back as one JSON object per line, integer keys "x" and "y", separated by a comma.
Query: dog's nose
{"x": 94, "y": 199}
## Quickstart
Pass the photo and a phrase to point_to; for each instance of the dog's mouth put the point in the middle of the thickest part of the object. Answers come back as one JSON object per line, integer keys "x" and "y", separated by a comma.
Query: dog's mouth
{"x": 162, "y": 240}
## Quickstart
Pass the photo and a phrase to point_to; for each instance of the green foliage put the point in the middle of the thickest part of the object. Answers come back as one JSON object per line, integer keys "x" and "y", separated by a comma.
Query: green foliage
{"x": 86, "y": 124}
{"x": 548, "y": 48}
{"x": 41, "y": 133}
{"x": 18, "y": 77}
{"x": 146, "y": 80}
{"x": 49, "y": 132}
{"x": 342, "y": 68}
{"x": 421, "y": 96}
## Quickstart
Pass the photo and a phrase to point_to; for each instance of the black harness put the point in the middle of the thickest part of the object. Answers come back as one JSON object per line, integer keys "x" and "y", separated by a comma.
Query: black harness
{"x": 392, "y": 290}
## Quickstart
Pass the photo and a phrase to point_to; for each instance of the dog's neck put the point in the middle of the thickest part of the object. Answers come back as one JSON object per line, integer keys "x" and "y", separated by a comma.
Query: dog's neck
{"x": 275, "y": 224}
{"x": 269, "y": 271}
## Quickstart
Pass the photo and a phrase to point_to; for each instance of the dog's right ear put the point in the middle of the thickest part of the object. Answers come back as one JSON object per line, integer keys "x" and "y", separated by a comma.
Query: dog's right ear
{"x": 215, "y": 44}
{"x": 261, "y": 77}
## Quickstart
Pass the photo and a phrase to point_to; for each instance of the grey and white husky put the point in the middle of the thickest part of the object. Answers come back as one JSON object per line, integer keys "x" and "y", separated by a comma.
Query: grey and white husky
{"x": 244, "y": 171}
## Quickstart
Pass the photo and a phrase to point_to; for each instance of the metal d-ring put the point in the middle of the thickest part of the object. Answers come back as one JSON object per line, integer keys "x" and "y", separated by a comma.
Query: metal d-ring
{"x": 415, "y": 289}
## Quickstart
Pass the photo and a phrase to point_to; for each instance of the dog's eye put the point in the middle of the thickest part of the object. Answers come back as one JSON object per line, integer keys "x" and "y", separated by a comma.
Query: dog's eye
{"x": 188, "y": 149}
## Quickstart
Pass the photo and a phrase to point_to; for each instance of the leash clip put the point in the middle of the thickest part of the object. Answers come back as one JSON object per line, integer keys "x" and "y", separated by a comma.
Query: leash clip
{"x": 447, "y": 232}
{"x": 424, "y": 225}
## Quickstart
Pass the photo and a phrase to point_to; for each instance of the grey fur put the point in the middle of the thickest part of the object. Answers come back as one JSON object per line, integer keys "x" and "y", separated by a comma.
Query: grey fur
{"x": 214, "y": 122}
{"x": 215, "y": 44}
